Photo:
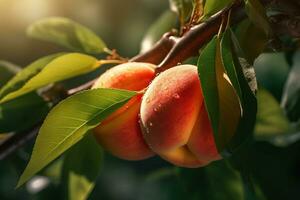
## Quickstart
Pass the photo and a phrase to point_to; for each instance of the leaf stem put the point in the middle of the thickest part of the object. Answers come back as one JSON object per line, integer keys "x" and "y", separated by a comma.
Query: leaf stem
{"x": 113, "y": 55}
{"x": 99, "y": 63}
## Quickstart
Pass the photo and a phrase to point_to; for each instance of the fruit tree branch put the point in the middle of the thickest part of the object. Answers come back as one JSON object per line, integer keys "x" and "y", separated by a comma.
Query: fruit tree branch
{"x": 190, "y": 43}
{"x": 170, "y": 50}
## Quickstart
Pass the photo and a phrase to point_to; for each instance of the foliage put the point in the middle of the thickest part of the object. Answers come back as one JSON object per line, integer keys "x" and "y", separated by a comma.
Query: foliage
{"x": 67, "y": 33}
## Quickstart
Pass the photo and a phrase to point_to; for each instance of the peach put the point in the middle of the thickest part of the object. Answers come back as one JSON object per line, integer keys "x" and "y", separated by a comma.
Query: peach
{"x": 120, "y": 133}
{"x": 174, "y": 121}
{"x": 201, "y": 141}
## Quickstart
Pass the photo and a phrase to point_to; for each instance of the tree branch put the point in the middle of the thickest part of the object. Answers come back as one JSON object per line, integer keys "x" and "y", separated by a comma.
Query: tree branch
{"x": 170, "y": 50}
{"x": 190, "y": 43}
{"x": 16, "y": 141}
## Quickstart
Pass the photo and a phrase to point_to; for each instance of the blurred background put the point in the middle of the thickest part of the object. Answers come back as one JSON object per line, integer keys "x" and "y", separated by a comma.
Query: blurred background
{"x": 120, "y": 23}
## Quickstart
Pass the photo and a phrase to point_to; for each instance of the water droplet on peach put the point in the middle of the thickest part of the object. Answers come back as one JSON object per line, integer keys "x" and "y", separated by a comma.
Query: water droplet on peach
{"x": 176, "y": 96}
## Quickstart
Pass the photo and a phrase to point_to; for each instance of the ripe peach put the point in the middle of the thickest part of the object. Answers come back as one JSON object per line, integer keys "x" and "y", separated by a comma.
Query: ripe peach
{"x": 120, "y": 133}
{"x": 174, "y": 120}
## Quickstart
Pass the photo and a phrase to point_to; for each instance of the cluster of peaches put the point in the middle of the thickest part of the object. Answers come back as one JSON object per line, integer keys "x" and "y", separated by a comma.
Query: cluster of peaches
{"x": 167, "y": 118}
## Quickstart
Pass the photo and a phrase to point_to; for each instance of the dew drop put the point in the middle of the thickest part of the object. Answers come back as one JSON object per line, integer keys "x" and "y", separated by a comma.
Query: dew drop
{"x": 176, "y": 96}
{"x": 150, "y": 124}
{"x": 159, "y": 105}
{"x": 147, "y": 130}
{"x": 155, "y": 109}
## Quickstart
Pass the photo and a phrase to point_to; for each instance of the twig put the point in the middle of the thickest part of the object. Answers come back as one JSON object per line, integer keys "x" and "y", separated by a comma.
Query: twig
{"x": 82, "y": 87}
{"x": 196, "y": 37}
{"x": 17, "y": 140}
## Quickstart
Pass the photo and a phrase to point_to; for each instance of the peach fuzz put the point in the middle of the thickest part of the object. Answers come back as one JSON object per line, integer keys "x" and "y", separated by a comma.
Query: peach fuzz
{"x": 120, "y": 133}
{"x": 174, "y": 120}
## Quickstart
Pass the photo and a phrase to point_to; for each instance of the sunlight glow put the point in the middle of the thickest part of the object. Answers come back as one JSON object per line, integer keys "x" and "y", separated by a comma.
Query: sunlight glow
{"x": 27, "y": 11}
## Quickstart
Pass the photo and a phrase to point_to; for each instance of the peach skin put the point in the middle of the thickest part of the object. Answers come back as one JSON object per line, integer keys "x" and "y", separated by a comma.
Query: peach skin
{"x": 172, "y": 115}
{"x": 120, "y": 133}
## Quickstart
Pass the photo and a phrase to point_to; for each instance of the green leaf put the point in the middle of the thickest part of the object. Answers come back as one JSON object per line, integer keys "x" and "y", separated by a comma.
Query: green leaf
{"x": 207, "y": 74}
{"x": 217, "y": 181}
{"x": 183, "y": 8}
{"x": 291, "y": 94}
{"x": 250, "y": 191}
{"x": 272, "y": 71}
{"x": 221, "y": 100}
{"x": 163, "y": 24}
{"x": 22, "y": 113}
{"x": 7, "y": 71}
{"x": 247, "y": 81}
{"x": 271, "y": 120}
{"x": 213, "y": 6}
{"x": 257, "y": 15}
{"x": 81, "y": 176}
{"x": 54, "y": 170}
{"x": 67, "y": 33}
{"x": 252, "y": 39}
{"x": 227, "y": 59}
{"x": 69, "y": 121}
{"x": 63, "y": 67}
{"x": 26, "y": 74}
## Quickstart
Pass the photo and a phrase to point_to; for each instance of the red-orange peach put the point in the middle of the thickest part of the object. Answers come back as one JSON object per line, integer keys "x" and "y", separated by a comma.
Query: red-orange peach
{"x": 174, "y": 120}
{"x": 120, "y": 133}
